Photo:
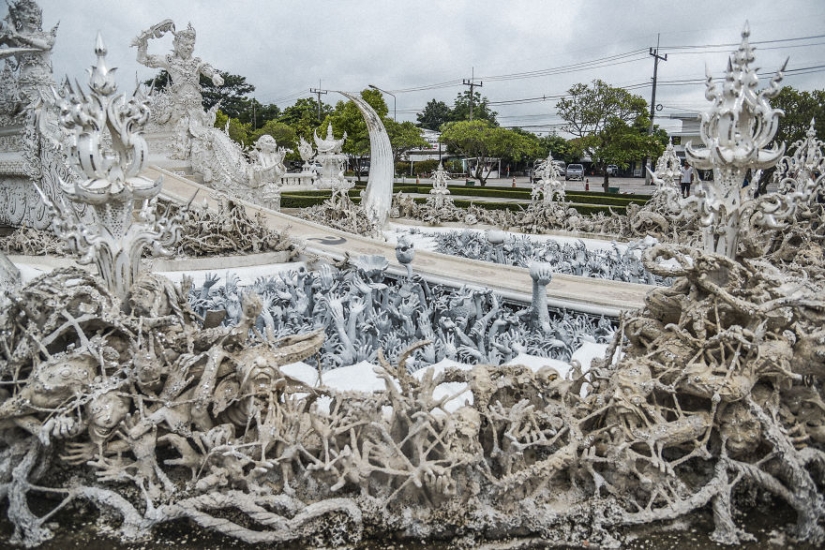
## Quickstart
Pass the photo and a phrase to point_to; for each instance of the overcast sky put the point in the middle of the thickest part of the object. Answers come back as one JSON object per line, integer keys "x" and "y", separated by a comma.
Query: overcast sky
{"x": 286, "y": 47}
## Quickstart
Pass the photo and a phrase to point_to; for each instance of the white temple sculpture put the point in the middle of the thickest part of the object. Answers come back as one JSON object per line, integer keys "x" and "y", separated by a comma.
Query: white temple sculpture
{"x": 706, "y": 402}
{"x": 376, "y": 199}
{"x": 668, "y": 173}
{"x": 28, "y": 71}
{"x": 548, "y": 185}
{"x": 440, "y": 193}
{"x": 737, "y": 132}
{"x": 183, "y": 135}
{"x": 113, "y": 186}
{"x": 30, "y": 142}
{"x": 266, "y": 170}
{"x": 181, "y": 108}
{"x": 803, "y": 173}
{"x": 332, "y": 161}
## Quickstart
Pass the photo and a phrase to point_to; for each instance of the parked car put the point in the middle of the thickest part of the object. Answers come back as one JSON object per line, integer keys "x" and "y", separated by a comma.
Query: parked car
{"x": 561, "y": 166}
{"x": 574, "y": 172}
{"x": 612, "y": 170}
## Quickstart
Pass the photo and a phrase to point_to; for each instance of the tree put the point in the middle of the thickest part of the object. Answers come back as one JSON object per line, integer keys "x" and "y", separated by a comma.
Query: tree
{"x": 611, "y": 124}
{"x": 483, "y": 142}
{"x": 480, "y": 109}
{"x": 403, "y": 137}
{"x": 435, "y": 115}
{"x": 283, "y": 133}
{"x": 561, "y": 148}
{"x": 302, "y": 116}
{"x": 257, "y": 114}
{"x": 237, "y": 130}
{"x": 800, "y": 107}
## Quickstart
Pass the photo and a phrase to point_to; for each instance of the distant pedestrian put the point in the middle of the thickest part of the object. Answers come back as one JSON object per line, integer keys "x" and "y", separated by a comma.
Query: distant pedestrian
{"x": 687, "y": 179}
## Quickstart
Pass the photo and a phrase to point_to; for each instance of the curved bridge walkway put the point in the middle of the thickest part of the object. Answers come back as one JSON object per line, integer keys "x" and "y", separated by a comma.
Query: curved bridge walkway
{"x": 586, "y": 294}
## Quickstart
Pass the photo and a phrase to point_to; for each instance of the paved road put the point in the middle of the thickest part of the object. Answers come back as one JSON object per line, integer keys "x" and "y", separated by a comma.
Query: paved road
{"x": 585, "y": 294}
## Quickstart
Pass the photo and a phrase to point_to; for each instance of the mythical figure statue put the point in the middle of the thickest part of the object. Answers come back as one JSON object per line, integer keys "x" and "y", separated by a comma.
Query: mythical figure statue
{"x": 28, "y": 52}
{"x": 332, "y": 162}
{"x": 186, "y": 101}
{"x": 266, "y": 169}
{"x": 548, "y": 183}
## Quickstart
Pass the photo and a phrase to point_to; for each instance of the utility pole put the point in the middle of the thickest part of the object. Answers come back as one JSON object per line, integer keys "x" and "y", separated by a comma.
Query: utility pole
{"x": 472, "y": 84}
{"x": 318, "y": 91}
{"x": 656, "y": 59}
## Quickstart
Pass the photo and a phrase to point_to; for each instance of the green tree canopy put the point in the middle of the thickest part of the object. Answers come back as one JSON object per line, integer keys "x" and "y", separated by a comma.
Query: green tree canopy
{"x": 480, "y": 109}
{"x": 611, "y": 124}
{"x": 800, "y": 107}
{"x": 434, "y": 115}
{"x": 403, "y": 137}
{"x": 482, "y": 141}
{"x": 561, "y": 148}
{"x": 302, "y": 116}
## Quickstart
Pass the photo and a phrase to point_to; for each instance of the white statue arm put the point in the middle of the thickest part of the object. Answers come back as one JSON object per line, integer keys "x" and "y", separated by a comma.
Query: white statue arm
{"x": 209, "y": 71}
{"x": 141, "y": 41}
{"x": 37, "y": 40}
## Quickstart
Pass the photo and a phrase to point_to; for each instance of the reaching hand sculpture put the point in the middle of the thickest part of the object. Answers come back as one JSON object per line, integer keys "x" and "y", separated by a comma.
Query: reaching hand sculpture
{"x": 184, "y": 71}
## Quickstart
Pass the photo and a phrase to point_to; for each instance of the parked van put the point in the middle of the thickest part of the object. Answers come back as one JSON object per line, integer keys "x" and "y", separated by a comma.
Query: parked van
{"x": 574, "y": 172}
{"x": 561, "y": 166}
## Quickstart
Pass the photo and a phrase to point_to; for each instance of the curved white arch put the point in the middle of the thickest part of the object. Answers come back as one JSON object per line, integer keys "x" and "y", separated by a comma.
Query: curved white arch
{"x": 377, "y": 198}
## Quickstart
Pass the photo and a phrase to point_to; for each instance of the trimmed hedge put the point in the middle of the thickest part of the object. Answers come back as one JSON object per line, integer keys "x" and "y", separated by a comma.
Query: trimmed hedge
{"x": 584, "y": 203}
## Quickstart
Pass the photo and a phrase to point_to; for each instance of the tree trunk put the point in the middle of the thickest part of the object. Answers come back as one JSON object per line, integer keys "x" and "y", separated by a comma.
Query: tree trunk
{"x": 606, "y": 182}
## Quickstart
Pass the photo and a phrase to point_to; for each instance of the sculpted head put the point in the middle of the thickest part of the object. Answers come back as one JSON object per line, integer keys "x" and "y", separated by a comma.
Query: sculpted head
{"x": 26, "y": 15}
{"x": 184, "y": 42}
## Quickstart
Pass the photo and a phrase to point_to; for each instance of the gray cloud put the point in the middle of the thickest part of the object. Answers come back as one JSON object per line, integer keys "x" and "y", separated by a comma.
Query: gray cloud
{"x": 286, "y": 47}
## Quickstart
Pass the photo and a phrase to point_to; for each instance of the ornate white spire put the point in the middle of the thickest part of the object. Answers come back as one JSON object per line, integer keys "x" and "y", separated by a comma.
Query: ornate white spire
{"x": 115, "y": 243}
{"x": 738, "y": 131}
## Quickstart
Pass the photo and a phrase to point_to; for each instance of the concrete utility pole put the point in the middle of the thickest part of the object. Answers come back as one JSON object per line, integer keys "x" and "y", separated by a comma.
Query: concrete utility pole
{"x": 656, "y": 59}
{"x": 472, "y": 84}
{"x": 318, "y": 92}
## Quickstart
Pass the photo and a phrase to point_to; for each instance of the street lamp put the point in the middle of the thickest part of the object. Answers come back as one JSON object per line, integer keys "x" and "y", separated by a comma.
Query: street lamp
{"x": 394, "y": 112}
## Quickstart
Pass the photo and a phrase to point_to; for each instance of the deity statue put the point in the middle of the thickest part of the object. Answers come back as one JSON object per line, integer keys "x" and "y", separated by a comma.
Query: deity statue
{"x": 332, "y": 162}
{"x": 184, "y": 71}
{"x": 28, "y": 48}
